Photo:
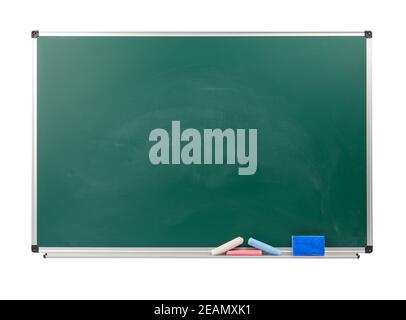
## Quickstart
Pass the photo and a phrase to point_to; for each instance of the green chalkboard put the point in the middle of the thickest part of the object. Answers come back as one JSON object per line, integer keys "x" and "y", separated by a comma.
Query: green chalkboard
{"x": 105, "y": 178}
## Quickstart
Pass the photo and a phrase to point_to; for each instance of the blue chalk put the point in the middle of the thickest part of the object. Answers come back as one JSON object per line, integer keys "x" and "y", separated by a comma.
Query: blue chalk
{"x": 263, "y": 246}
{"x": 308, "y": 245}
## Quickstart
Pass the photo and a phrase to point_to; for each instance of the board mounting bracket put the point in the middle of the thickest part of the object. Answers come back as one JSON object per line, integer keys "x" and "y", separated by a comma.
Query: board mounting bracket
{"x": 35, "y": 248}
{"x": 34, "y": 34}
{"x": 369, "y": 249}
{"x": 368, "y": 34}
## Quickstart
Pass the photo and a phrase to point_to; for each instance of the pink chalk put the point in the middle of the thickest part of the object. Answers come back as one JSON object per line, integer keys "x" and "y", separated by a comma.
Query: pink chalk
{"x": 244, "y": 252}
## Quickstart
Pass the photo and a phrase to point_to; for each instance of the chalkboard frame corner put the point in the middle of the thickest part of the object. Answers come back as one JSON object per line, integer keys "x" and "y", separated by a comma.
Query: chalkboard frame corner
{"x": 34, "y": 34}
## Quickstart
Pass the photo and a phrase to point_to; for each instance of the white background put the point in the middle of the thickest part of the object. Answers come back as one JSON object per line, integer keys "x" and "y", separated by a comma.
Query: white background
{"x": 27, "y": 275}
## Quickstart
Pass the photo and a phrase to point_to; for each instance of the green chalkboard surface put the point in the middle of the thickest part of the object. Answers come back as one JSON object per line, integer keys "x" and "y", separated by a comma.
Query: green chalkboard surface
{"x": 128, "y": 155}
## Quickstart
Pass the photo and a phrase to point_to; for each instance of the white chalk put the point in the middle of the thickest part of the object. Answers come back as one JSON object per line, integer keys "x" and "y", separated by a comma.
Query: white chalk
{"x": 227, "y": 246}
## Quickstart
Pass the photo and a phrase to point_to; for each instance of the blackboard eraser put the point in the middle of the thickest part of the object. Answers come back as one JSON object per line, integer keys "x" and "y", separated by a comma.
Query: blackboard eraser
{"x": 303, "y": 246}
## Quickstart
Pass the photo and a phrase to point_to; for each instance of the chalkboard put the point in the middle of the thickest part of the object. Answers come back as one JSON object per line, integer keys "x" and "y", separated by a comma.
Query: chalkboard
{"x": 189, "y": 140}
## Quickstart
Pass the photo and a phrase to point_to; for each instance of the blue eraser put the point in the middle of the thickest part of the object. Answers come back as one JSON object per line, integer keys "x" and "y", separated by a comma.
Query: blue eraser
{"x": 263, "y": 246}
{"x": 308, "y": 245}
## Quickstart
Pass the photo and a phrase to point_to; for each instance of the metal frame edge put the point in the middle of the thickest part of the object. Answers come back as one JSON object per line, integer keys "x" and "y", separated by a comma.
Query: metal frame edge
{"x": 200, "y": 33}
{"x": 34, "y": 238}
{"x": 369, "y": 141}
{"x": 333, "y": 253}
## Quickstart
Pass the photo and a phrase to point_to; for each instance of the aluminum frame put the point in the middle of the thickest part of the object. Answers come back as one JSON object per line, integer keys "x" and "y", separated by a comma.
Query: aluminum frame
{"x": 332, "y": 253}
{"x": 369, "y": 142}
{"x": 183, "y": 252}
{"x": 34, "y": 145}
{"x": 201, "y": 34}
